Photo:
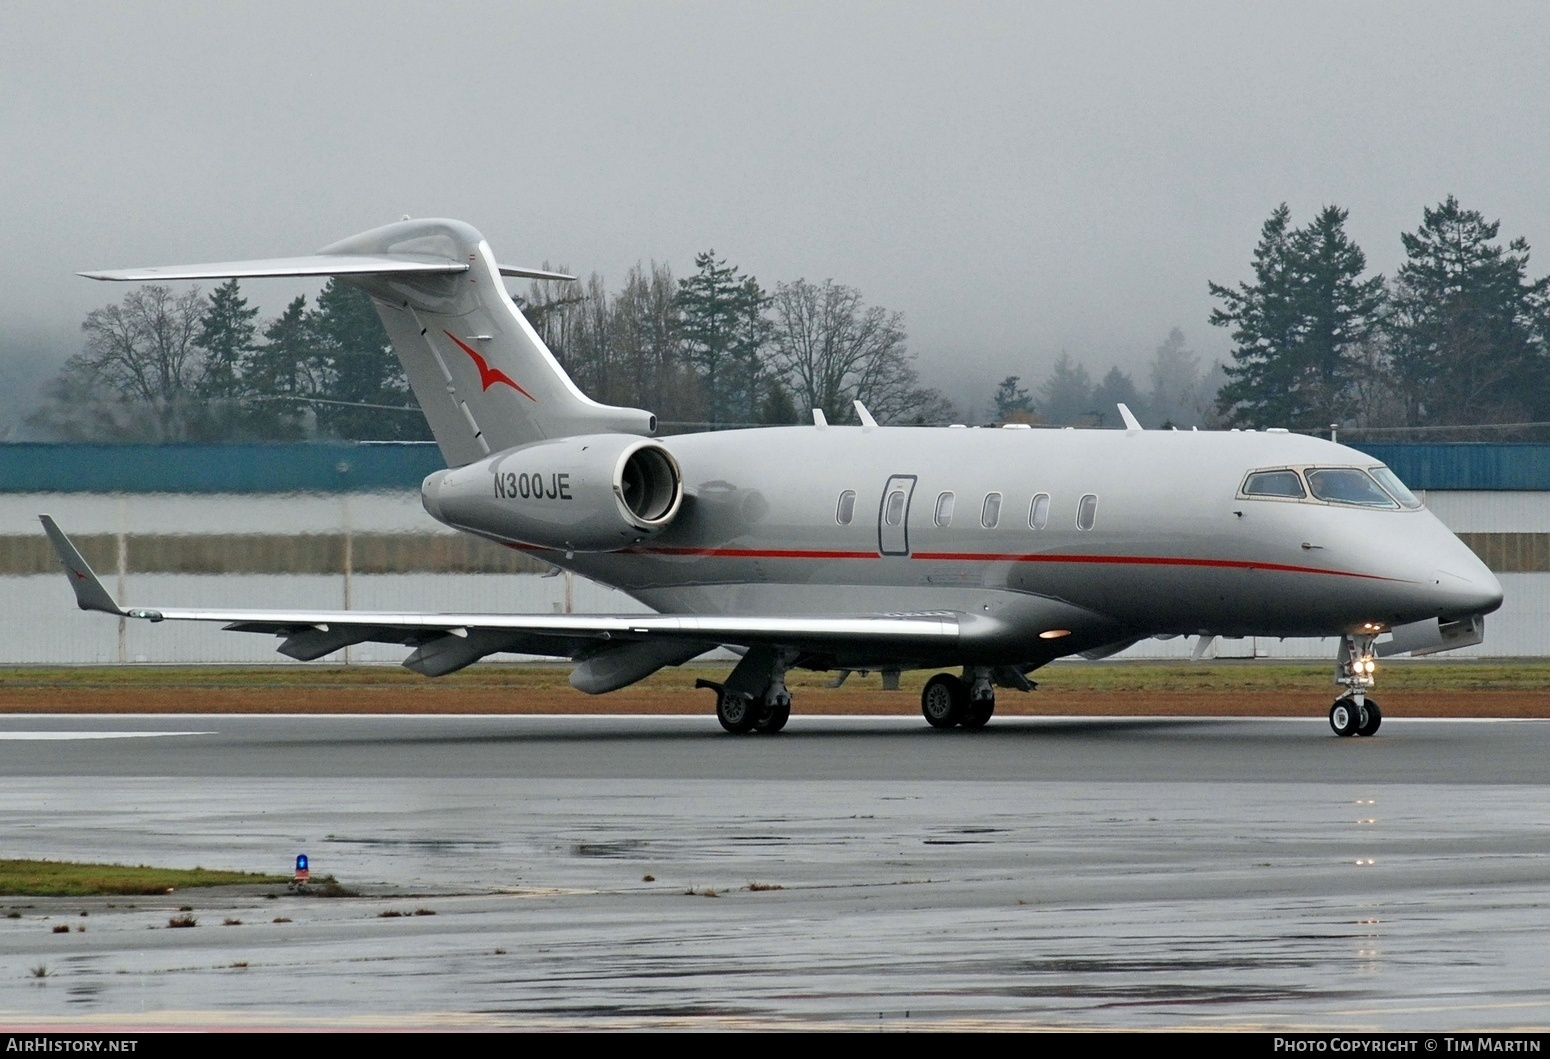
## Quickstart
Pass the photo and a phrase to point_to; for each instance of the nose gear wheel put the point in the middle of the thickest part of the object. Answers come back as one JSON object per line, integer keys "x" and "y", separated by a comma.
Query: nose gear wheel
{"x": 1349, "y": 718}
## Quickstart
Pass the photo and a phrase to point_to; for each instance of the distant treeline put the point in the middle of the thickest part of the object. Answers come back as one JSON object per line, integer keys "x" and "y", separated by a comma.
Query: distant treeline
{"x": 714, "y": 348}
{"x": 1458, "y": 337}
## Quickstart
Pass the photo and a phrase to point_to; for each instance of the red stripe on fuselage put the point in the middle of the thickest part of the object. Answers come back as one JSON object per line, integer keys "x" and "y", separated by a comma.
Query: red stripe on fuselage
{"x": 987, "y": 557}
{"x": 754, "y": 553}
{"x": 1141, "y": 560}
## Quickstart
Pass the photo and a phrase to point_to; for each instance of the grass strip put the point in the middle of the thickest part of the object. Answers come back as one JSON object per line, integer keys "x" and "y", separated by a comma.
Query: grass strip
{"x": 59, "y": 878}
{"x": 1513, "y": 674}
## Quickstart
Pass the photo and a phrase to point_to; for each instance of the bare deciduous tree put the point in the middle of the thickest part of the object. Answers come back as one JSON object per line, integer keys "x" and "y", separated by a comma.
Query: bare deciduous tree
{"x": 139, "y": 372}
{"x": 832, "y": 349}
{"x": 147, "y": 345}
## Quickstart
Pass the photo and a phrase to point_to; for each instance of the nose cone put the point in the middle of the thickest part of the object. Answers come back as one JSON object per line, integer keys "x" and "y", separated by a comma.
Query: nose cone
{"x": 1462, "y": 583}
{"x": 1467, "y": 587}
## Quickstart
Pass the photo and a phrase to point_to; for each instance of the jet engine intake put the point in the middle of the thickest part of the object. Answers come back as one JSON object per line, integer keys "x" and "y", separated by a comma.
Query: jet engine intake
{"x": 591, "y": 493}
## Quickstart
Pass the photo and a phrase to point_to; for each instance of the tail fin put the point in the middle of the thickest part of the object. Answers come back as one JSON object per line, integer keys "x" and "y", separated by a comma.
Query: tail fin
{"x": 481, "y": 374}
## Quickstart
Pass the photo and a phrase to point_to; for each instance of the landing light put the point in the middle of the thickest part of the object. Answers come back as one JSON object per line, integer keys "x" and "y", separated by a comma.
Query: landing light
{"x": 1054, "y": 634}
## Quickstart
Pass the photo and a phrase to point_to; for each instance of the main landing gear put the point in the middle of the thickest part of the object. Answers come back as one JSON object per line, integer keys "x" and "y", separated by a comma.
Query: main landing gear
{"x": 740, "y": 713}
{"x": 953, "y": 702}
{"x": 755, "y": 697}
{"x": 1353, "y": 712}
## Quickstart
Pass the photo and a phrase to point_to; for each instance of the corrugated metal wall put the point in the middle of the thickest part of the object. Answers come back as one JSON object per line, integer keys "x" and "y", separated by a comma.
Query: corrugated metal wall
{"x": 1466, "y": 465}
{"x": 292, "y": 549}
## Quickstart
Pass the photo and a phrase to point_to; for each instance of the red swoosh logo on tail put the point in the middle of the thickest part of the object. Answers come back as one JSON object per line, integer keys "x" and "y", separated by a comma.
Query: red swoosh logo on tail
{"x": 488, "y": 376}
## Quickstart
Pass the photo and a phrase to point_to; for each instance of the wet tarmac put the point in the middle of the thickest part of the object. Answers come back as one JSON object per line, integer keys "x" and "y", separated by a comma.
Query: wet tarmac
{"x": 853, "y": 872}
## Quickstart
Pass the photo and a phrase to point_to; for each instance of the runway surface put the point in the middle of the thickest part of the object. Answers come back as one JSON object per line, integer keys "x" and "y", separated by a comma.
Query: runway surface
{"x": 851, "y": 872}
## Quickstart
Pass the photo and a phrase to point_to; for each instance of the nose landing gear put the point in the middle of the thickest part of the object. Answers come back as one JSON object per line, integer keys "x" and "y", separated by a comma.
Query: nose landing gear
{"x": 1353, "y": 712}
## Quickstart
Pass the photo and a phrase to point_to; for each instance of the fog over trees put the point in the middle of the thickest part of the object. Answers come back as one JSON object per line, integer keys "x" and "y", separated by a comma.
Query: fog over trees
{"x": 1458, "y": 338}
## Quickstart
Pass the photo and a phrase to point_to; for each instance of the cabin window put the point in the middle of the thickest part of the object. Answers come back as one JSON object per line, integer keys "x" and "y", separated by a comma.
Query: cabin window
{"x": 893, "y": 513}
{"x": 1038, "y": 512}
{"x": 1087, "y": 512}
{"x": 990, "y": 511}
{"x": 847, "y": 508}
{"x": 1347, "y": 485}
{"x": 944, "y": 510}
{"x": 1274, "y": 483}
{"x": 1390, "y": 481}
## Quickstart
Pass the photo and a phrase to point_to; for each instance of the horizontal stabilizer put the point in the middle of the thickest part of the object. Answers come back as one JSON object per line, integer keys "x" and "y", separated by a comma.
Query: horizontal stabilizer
{"x": 533, "y": 273}
{"x": 314, "y": 265}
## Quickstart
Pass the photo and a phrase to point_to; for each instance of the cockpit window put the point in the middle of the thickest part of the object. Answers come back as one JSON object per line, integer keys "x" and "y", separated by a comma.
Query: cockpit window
{"x": 1390, "y": 481}
{"x": 1347, "y": 485}
{"x": 1274, "y": 483}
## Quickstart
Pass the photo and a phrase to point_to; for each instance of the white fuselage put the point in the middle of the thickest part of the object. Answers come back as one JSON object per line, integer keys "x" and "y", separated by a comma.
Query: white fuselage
{"x": 1172, "y": 548}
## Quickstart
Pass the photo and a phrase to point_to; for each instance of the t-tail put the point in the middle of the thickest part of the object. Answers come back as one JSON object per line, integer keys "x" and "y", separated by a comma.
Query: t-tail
{"x": 481, "y": 374}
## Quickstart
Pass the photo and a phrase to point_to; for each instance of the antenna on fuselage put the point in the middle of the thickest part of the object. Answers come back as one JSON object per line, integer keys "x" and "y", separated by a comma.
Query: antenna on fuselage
{"x": 1132, "y": 424}
{"x": 867, "y": 422}
{"x": 820, "y": 420}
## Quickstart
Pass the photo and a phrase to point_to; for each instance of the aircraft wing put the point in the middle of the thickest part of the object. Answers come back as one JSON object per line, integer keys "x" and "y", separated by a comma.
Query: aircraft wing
{"x": 447, "y": 642}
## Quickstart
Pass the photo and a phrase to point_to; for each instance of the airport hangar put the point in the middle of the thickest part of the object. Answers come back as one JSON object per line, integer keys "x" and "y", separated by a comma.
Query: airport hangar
{"x": 331, "y": 524}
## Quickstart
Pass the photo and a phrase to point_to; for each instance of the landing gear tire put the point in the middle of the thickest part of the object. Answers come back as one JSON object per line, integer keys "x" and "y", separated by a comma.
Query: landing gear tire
{"x": 736, "y": 713}
{"x": 977, "y": 714}
{"x": 1345, "y": 718}
{"x": 1371, "y": 718}
{"x": 774, "y": 719}
{"x": 945, "y": 701}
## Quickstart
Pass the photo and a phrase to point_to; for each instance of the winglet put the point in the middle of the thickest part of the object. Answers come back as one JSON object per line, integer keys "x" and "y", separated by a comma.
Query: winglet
{"x": 89, "y": 593}
{"x": 1132, "y": 424}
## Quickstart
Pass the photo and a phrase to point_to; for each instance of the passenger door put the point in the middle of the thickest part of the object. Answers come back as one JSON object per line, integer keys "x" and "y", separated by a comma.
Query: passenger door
{"x": 893, "y": 515}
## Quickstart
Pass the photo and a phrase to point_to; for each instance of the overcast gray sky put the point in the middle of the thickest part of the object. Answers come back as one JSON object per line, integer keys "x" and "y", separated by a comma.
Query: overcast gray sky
{"x": 1017, "y": 178}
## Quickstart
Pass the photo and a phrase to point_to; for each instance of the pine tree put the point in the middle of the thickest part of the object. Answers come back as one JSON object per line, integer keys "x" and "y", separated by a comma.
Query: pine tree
{"x": 1116, "y": 388}
{"x": 1467, "y": 328}
{"x": 288, "y": 365}
{"x": 1013, "y": 405}
{"x": 1175, "y": 399}
{"x": 1300, "y": 327}
{"x": 226, "y": 335}
{"x": 363, "y": 371}
{"x": 1067, "y": 395}
{"x": 725, "y": 334}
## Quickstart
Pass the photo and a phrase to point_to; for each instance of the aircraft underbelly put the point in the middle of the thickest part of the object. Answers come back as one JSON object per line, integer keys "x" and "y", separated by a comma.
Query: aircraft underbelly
{"x": 1166, "y": 595}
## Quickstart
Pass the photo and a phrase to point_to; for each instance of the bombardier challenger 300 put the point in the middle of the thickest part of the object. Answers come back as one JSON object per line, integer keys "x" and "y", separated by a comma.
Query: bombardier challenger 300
{"x": 846, "y": 548}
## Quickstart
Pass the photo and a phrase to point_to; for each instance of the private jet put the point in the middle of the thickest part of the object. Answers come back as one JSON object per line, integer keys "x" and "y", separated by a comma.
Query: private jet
{"x": 983, "y": 552}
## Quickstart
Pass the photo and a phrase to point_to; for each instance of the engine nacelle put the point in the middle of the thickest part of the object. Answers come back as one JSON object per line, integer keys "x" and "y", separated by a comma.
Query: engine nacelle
{"x": 593, "y": 493}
